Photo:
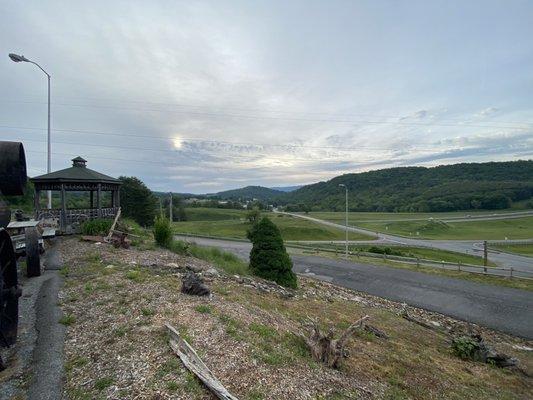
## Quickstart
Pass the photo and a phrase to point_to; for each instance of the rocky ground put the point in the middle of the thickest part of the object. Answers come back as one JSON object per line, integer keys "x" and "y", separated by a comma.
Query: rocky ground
{"x": 117, "y": 301}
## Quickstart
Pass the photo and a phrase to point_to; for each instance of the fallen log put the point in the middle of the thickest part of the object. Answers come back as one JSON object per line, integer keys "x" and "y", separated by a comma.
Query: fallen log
{"x": 194, "y": 364}
{"x": 375, "y": 331}
{"x": 404, "y": 314}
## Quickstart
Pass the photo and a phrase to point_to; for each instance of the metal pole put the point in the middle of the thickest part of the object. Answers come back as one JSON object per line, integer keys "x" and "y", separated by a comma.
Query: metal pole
{"x": 49, "y": 161}
{"x": 346, "y": 223}
{"x": 170, "y": 207}
{"x": 485, "y": 256}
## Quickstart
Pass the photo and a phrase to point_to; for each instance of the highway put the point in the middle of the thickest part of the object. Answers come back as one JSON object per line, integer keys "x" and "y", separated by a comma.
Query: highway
{"x": 500, "y": 308}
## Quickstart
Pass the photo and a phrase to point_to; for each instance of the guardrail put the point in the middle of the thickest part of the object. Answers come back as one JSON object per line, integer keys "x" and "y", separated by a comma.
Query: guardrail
{"x": 462, "y": 267}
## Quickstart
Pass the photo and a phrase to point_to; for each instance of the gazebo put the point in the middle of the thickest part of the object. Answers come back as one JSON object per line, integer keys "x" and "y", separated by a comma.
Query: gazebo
{"x": 78, "y": 178}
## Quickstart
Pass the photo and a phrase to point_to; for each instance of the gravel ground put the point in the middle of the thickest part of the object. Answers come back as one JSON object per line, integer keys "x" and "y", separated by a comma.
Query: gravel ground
{"x": 116, "y": 302}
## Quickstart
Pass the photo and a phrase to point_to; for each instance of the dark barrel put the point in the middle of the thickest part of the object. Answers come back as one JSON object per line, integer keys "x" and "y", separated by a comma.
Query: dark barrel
{"x": 12, "y": 168}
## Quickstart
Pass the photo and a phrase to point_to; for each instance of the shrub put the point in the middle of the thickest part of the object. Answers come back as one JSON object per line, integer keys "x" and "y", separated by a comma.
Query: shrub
{"x": 465, "y": 348}
{"x": 162, "y": 231}
{"x": 179, "y": 247}
{"x": 269, "y": 258}
{"x": 95, "y": 227}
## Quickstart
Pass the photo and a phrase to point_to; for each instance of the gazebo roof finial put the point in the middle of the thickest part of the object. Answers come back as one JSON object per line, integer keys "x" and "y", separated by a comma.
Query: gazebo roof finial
{"x": 79, "y": 162}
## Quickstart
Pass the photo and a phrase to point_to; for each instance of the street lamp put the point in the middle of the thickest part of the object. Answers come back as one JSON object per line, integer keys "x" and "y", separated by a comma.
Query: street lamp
{"x": 17, "y": 58}
{"x": 346, "y": 222}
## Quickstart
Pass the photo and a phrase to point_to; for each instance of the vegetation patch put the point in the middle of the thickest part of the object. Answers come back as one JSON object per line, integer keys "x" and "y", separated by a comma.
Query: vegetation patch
{"x": 95, "y": 227}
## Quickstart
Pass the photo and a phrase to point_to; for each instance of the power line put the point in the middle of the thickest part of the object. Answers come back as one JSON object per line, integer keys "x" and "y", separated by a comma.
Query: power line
{"x": 185, "y": 139}
{"x": 121, "y": 147}
{"x": 326, "y": 120}
{"x": 66, "y": 104}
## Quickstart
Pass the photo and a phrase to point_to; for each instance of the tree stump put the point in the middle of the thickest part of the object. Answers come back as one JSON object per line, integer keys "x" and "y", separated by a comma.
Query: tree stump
{"x": 328, "y": 350}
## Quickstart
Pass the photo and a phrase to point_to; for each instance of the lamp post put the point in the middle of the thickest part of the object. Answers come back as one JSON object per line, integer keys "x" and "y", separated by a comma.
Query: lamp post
{"x": 17, "y": 58}
{"x": 346, "y": 221}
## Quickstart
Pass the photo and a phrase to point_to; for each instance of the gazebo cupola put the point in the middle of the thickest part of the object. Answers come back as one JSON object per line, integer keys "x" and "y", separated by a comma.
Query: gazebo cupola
{"x": 99, "y": 192}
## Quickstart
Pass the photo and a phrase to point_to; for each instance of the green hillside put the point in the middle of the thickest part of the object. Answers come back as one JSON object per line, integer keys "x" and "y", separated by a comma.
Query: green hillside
{"x": 249, "y": 193}
{"x": 489, "y": 186}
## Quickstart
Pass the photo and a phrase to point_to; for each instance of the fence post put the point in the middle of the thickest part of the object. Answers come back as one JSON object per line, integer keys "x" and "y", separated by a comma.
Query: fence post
{"x": 459, "y": 266}
{"x": 511, "y": 273}
{"x": 418, "y": 262}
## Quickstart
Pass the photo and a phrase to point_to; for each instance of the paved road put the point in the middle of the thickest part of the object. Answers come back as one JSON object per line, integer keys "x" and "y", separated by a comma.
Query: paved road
{"x": 462, "y": 246}
{"x": 505, "y": 309}
{"x": 473, "y": 217}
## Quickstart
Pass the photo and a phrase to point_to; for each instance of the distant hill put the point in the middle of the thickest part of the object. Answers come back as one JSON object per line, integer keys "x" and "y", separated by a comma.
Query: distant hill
{"x": 249, "y": 193}
{"x": 286, "y": 188}
{"x": 492, "y": 185}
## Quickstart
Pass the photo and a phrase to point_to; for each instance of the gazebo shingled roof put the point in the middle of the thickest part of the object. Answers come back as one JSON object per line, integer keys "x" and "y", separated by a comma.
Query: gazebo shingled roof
{"x": 77, "y": 173}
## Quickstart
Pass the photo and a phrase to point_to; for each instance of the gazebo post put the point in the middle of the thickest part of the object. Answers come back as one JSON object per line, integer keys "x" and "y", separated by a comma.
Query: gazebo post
{"x": 63, "y": 208}
{"x": 99, "y": 200}
{"x": 92, "y": 198}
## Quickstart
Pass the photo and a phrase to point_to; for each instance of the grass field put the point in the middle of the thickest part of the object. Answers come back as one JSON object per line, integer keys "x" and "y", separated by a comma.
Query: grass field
{"x": 291, "y": 228}
{"x": 420, "y": 225}
{"x": 213, "y": 214}
{"x": 523, "y": 249}
{"x": 414, "y": 252}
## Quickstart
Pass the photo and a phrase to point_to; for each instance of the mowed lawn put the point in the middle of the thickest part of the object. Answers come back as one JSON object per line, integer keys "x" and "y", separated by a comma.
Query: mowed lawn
{"x": 523, "y": 249}
{"x": 208, "y": 223}
{"x": 420, "y": 225}
{"x": 517, "y": 228}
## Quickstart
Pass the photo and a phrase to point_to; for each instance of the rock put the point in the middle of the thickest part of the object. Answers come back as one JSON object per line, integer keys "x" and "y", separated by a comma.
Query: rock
{"x": 193, "y": 285}
{"x": 194, "y": 268}
{"x": 172, "y": 265}
{"x": 211, "y": 272}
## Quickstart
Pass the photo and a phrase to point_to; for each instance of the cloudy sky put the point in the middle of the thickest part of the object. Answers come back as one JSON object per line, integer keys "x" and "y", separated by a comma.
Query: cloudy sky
{"x": 201, "y": 96}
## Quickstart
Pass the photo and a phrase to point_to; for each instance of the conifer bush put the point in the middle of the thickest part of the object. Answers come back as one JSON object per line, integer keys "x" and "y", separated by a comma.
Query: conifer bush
{"x": 269, "y": 258}
{"x": 162, "y": 231}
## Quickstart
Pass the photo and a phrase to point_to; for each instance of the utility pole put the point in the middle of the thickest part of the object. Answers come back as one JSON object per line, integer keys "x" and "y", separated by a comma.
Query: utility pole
{"x": 160, "y": 207}
{"x": 170, "y": 207}
{"x": 346, "y": 219}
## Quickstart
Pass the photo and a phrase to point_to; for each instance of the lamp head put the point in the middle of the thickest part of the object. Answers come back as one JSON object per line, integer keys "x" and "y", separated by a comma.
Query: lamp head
{"x": 17, "y": 58}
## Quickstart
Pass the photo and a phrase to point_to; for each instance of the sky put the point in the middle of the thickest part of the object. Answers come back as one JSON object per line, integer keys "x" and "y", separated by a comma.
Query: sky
{"x": 203, "y": 96}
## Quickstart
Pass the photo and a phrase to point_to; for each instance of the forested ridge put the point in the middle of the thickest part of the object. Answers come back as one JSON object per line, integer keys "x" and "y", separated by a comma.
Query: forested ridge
{"x": 492, "y": 185}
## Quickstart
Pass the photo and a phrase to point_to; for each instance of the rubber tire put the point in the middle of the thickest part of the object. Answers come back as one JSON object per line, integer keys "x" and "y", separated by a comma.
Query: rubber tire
{"x": 8, "y": 280}
{"x": 33, "y": 257}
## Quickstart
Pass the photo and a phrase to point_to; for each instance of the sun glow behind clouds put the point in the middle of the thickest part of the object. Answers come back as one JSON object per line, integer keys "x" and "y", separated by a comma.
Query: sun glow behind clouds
{"x": 178, "y": 142}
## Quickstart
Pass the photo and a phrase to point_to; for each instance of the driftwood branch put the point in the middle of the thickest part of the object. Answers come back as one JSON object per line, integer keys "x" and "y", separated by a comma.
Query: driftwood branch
{"x": 193, "y": 363}
{"x": 327, "y": 350}
{"x": 404, "y": 314}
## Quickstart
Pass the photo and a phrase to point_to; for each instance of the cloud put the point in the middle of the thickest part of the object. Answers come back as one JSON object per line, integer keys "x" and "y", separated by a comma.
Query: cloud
{"x": 208, "y": 96}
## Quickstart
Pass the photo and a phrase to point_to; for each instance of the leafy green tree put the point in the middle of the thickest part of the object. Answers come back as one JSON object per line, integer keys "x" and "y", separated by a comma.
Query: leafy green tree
{"x": 253, "y": 215}
{"x": 137, "y": 201}
{"x": 269, "y": 258}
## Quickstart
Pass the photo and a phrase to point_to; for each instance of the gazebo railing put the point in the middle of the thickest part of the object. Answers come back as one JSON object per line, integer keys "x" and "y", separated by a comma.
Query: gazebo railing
{"x": 76, "y": 215}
